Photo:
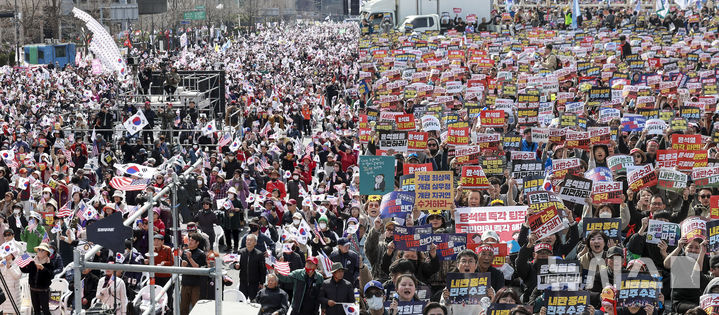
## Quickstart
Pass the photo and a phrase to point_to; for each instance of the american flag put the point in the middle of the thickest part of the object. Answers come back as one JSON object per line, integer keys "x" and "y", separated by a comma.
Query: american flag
{"x": 226, "y": 138}
{"x": 65, "y": 211}
{"x": 45, "y": 239}
{"x": 326, "y": 263}
{"x": 23, "y": 260}
{"x": 317, "y": 233}
{"x": 263, "y": 163}
{"x": 129, "y": 184}
{"x": 228, "y": 258}
{"x": 282, "y": 267}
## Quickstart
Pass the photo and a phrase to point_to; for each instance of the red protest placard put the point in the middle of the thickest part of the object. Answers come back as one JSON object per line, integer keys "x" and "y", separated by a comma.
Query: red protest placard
{"x": 714, "y": 206}
{"x": 405, "y": 122}
{"x": 667, "y": 158}
{"x": 492, "y": 118}
{"x": 546, "y": 222}
{"x": 607, "y": 192}
{"x": 412, "y": 168}
{"x": 688, "y": 160}
{"x": 474, "y": 177}
{"x": 365, "y": 134}
{"x": 686, "y": 142}
{"x": 457, "y": 10}
{"x": 642, "y": 177}
{"x": 417, "y": 141}
{"x": 577, "y": 140}
{"x": 458, "y": 136}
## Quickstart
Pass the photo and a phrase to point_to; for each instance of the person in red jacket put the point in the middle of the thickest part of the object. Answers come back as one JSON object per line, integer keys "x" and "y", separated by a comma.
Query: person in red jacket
{"x": 348, "y": 156}
{"x": 276, "y": 183}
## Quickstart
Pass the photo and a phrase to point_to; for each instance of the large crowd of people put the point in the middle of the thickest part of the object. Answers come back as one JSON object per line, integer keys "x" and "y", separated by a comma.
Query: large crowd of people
{"x": 512, "y": 166}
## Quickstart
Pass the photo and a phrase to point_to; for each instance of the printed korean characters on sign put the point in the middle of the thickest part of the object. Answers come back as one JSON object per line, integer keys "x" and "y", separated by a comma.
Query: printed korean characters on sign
{"x": 561, "y": 167}
{"x": 417, "y": 141}
{"x": 396, "y": 141}
{"x": 662, "y": 231}
{"x": 467, "y": 288}
{"x": 638, "y": 289}
{"x": 488, "y": 142}
{"x": 575, "y": 189}
{"x": 609, "y": 226}
{"x": 467, "y": 154}
{"x": 667, "y": 158}
{"x": 541, "y": 200}
{"x": 396, "y": 204}
{"x": 493, "y": 165}
{"x": 618, "y": 163}
{"x": 546, "y": 222}
{"x": 523, "y": 168}
{"x": 540, "y": 135}
{"x": 633, "y": 123}
{"x": 532, "y": 183}
{"x": 409, "y": 237}
{"x": 559, "y": 275}
{"x": 434, "y": 190}
{"x": 694, "y": 227}
{"x": 405, "y": 122}
{"x": 672, "y": 180}
{"x": 406, "y": 307}
{"x": 713, "y": 235}
{"x": 492, "y": 118}
{"x": 578, "y": 140}
{"x": 709, "y": 303}
{"x": 409, "y": 168}
{"x": 686, "y": 142}
{"x": 458, "y": 136}
{"x": 607, "y": 192}
{"x": 679, "y": 124}
{"x": 449, "y": 245}
{"x": 706, "y": 177}
{"x": 642, "y": 177}
{"x": 600, "y": 94}
{"x": 376, "y": 174}
{"x": 474, "y": 177}
{"x": 600, "y": 135}
{"x": 511, "y": 141}
{"x": 523, "y": 155}
{"x": 503, "y": 220}
{"x": 406, "y": 183}
{"x": 567, "y": 302}
{"x": 557, "y": 136}
{"x": 655, "y": 127}
{"x": 689, "y": 160}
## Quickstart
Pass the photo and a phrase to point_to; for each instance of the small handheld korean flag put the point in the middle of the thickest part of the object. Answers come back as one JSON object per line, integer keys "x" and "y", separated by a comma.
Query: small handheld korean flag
{"x": 209, "y": 129}
{"x": 350, "y": 308}
{"x": 135, "y": 123}
{"x": 235, "y": 145}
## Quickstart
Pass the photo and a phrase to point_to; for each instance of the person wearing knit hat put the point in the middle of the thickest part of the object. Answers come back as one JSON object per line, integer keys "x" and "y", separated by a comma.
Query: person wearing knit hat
{"x": 326, "y": 240}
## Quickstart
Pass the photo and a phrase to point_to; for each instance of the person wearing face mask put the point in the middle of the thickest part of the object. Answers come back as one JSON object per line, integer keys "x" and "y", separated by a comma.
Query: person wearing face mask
{"x": 33, "y": 232}
{"x": 695, "y": 249}
{"x": 17, "y": 221}
{"x": 291, "y": 215}
{"x": 528, "y": 271}
{"x": 306, "y": 285}
{"x": 252, "y": 268}
{"x": 275, "y": 183}
{"x": 328, "y": 238}
{"x": 378, "y": 240}
{"x": 374, "y": 298}
{"x": 40, "y": 276}
{"x": 295, "y": 185}
{"x": 437, "y": 154}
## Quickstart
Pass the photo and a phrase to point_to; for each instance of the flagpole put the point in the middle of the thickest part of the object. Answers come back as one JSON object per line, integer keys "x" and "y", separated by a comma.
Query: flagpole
{"x": 7, "y": 291}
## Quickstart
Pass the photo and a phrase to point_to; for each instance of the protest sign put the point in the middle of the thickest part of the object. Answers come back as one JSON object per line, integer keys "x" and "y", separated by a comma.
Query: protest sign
{"x": 713, "y": 235}
{"x": 405, "y": 122}
{"x": 376, "y": 174}
{"x": 540, "y": 200}
{"x": 532, "y": 183}
{"x": 672, "y": 180}
{"x": 559, "y": 275}
{"x": 458, "y": 135}
{"x": 473, "y": 177}
{"x": 395, "y": 140}
{"x": 655, "y": 127}
{"x": 714, "y": 207}
{"x": 667, "y": 158}
{"x": 540, "y": 135}
{"x": 512, "y": 141}
{"x": 467, "y": 288}
{"x": 493, "y": 165}
{"x": 406, "y": 307}
{"x": 492, "y": 118}
{"x": 430, "y": 123}
{"x": 526, "y": 168}
{"x": 561, "y": 167}
{"x": 449, "y": 245}
{"x": 503, "y": 220}
{"x": 575, "y": 189}
{"x": 618, "y": 163}
{"x": 662, "y": 231}
{"x": 610, "y": 226}
{"x": 409, "y": 237}
{"x": 599, "y": 174}
{"x": 523, "y": 156}
{"x": 686, "y": 142}
{"x": 406, "y": 182}
{"x": 567, "y": 302}
{"x": 709, "y": 303}
{"x": 434, "y": 190}
{"x": 396, "y": 204}
{"x": 417, "y": 141}
{"x": 408, "y": 168}
{"x": 607, "y": 192}
{"x": 693, "y": 227}
{"x": 466, "y": 154}
{"x": 638, "y": 289}
{"x": 706, "y": 177}
{"x": 577, "y": 140}
{"x": 546, "y": 222}
{"x": 642, "y": 177}
{"x": 503, "y": 309}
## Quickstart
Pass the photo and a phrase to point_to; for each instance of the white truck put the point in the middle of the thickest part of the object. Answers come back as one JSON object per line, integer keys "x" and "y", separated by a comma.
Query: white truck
{"x": 423, "y": 15}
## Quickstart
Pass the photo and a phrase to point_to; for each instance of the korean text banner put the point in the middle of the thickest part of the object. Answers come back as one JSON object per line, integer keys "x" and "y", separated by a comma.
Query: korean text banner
{"x": 434, "y": 190}
{"x": 503, "y": 220}
{"x": 467, "y": 288}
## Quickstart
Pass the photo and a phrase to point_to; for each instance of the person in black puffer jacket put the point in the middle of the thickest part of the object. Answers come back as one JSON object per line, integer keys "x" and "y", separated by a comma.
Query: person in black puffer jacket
{"x": 273, "y": 300}
{"x": 40, "y": 276}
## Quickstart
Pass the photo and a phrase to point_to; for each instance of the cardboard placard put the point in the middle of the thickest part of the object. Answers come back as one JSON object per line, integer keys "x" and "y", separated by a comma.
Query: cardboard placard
{"x": 434, "y": 190}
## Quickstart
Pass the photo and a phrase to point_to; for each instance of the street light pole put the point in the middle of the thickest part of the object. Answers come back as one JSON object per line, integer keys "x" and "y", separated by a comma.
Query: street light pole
{"x": 17, "y": 35}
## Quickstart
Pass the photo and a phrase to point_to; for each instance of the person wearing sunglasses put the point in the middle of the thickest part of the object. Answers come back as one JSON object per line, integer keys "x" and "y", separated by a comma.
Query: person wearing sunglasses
{"x": 701, "y": 205}
{"x": 374, "y": 298}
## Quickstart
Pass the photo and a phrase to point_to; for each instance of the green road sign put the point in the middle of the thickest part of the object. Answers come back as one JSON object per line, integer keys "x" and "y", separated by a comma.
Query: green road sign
{"x": 194, "y": 15}
{"x": 200, "y": 7}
